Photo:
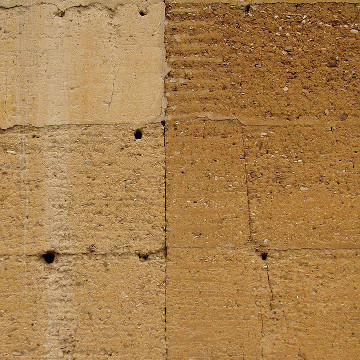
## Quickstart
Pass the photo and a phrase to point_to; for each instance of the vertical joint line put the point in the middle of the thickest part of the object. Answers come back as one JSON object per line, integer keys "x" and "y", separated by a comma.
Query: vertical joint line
{"x": 270, "y": 288}
{"x": 247, "y": 185}
{"x": 165, "y": 185}
{"x": 165, "y": 234}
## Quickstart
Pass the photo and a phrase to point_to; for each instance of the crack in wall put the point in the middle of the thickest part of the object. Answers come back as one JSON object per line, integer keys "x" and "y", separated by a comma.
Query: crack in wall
{"x": 111, "y": 95}
{"x": 257, "y": 122}
{"x": 158, "y": 253}
{"x": 162, "y": 118}
{"x": 61, "y": 11}
{"x": 30, "y": 127}
{"x": 271, "y": 290}
{"x": 261, "y": 329}
{"x": 252, "y": 241}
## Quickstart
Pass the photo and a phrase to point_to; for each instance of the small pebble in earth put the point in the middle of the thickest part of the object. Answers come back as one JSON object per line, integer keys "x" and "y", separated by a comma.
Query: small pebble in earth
{"x": 343, "y": 116}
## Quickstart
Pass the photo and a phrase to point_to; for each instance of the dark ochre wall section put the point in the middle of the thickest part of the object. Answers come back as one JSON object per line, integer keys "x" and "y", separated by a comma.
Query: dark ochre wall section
{"x": 179, "y": 180}
{"x": 262, "y": 180}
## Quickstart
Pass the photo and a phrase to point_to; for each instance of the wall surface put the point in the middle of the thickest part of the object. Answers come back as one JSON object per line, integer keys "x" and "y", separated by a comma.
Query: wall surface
{"x": 263, "y": 190}
{"x": 77, "y": 80}
{"x": 179, "y": 180}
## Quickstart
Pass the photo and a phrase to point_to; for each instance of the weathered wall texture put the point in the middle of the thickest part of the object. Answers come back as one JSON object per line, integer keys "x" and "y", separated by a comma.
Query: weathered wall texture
{"x": 232, "y": 233}
{"x": 263, "y": 194}
{"x": 76, "y": 81}
{"x": 81, "y": 64}
{"x": 276, "y": 64}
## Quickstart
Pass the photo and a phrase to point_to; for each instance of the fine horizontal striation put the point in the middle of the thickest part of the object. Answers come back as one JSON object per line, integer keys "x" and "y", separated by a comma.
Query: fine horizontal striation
{"x": 270, "y": 63}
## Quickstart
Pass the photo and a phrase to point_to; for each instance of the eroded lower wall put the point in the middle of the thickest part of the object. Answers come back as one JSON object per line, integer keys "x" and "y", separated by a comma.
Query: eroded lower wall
{"x": 262, "y": 170}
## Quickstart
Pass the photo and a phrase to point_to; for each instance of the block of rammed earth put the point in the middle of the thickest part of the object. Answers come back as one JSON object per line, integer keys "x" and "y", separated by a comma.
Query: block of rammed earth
{"x": 82, "y": 214}
{"x": 263, "y": 197}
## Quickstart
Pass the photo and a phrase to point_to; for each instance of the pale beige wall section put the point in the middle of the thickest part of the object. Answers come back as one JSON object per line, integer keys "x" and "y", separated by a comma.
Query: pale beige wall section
{"x": 76, "y": 80}
{"x": 64, "y": 4}
{"x": 83, "y": 64}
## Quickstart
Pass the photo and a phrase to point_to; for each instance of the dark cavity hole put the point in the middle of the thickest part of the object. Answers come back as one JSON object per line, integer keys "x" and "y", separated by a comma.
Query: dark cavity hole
{"x": 264, "y": 255}
{"x": 138, "y": 134}
{"x": 247, "y": 8}
{"x": 49, "y": 257}
{"x": 142, "y": 13}
{"x": 60, "y": 13}
{"x": 163, "y": 122}
{"x": 143, "y": 257}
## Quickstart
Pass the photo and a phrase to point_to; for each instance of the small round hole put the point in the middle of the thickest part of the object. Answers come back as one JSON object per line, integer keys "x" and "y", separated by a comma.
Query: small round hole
{"x": 142, "y": 13}
{"x": 143, "y": 257}
{"x": 138, "y": 134}
{"x": 264, "y": 255}
{"x": 247, "y": 8}
{"x": 49, "y": 257}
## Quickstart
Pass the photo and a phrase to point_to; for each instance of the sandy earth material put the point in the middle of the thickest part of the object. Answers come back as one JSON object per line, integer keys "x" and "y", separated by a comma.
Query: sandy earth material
{"x": 179, "y": 180}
